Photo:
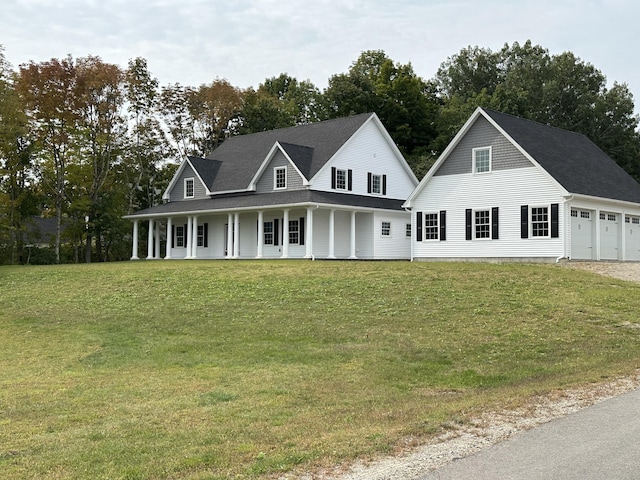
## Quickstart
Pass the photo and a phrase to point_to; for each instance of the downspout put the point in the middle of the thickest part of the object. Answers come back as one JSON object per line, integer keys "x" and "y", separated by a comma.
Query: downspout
{"x": 408, "y": 209}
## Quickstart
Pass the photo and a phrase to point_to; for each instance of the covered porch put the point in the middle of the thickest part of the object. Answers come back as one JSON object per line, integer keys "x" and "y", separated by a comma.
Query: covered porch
{"x": 310, "y": 231}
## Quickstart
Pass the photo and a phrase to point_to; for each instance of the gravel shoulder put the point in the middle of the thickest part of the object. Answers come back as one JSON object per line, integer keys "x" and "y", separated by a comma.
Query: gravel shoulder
{"x": 491, "y": 427}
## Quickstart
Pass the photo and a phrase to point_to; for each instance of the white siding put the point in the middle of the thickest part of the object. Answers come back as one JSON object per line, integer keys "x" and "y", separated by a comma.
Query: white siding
{"x": 368, "y": 151}
{"x": 507, "y": 190}
{"x": 397, "y": 245}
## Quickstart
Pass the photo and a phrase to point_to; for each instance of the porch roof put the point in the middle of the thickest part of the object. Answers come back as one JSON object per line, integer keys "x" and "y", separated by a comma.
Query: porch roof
{"x": 256, "y": 201}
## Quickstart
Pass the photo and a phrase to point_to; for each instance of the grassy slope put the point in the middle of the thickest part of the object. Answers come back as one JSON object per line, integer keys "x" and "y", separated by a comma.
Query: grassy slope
{"x": 207, "y": 370}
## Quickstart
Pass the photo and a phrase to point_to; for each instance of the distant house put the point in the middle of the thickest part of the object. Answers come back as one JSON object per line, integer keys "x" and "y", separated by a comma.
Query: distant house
{"x": 332, "y": 189}
{"x": 508, "y": 188}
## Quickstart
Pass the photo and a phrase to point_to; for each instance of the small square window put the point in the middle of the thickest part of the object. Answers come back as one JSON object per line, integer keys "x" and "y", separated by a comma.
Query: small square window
{"x": 386, "y": 229}
{"x": 574, "y": 213}
{"x": 188, "y": 188}
{"x": 280, "y": 178}
{"x": 482, "y": 160}
{"x": 584, "y": 214}
{"x": 612, "y": 217}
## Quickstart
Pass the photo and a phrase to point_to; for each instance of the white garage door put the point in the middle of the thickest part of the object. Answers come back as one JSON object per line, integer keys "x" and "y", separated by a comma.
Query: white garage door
{"x": 632, "y": 237}
{"x": 582, "y": 233}
{"x": 609, "y": 236}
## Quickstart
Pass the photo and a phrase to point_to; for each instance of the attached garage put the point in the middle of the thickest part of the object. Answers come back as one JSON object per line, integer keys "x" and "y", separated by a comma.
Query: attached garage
{"x": 610, "y": 238}
{"x": 582, "y": 235}
{"x": 632, "y": 237}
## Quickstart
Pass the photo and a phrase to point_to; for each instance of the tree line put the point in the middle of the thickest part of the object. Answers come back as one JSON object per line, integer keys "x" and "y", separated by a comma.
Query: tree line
{"x": 86, "y": 142}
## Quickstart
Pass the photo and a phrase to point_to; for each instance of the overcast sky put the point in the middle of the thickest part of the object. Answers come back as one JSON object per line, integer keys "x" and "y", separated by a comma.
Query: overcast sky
{"x": 192, "y": 42}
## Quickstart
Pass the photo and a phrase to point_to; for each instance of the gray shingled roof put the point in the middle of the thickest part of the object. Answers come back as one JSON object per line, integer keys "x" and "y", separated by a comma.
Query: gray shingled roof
{"x": 571, "y": 158}
{"x": 309, "y": 146}
{"x": 227, "y": 202}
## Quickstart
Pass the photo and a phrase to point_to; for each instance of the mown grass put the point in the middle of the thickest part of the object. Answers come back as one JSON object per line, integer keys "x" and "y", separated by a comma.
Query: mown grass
{"x": 212, "y": 370}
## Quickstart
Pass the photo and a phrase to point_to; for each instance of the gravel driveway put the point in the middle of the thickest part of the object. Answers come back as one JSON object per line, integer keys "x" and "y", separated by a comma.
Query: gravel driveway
{"x": 491, "y": 427}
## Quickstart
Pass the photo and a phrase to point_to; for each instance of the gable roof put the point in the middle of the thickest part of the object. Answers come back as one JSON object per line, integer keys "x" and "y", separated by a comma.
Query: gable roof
{"x": 309, "y": 147}
{"x": 571, "y": 158}
{"x": 577, "y": 164}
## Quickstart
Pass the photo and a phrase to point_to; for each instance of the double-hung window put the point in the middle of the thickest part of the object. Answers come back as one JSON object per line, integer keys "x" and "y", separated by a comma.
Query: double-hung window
{"x": 482, "y": 160}
{"x": 386, "y": 229}
{"x": 202, "y": 235}
{"x": 268, "y": 233}
{"x": 539, "y": 221}
{"x": 482, "y": 224}
{"x": 431, "y": 226}
{"x": 376, "y": 184}
{"x": 180, "y": 240}
{"x": 341, "y": 179}
{"x": 280, "y": 178}
{"x": 188, "y": 188}
{"x": 294, "y": 232}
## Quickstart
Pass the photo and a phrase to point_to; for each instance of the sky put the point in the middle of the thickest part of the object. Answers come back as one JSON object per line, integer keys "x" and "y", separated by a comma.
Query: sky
{"x": 193, "y": 42}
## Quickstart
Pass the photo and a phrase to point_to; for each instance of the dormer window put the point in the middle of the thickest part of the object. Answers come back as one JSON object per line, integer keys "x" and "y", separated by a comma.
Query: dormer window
{"x": 280, "y": 178}
{"x": 482, "y": 160}
{"x": 188, "y": 188}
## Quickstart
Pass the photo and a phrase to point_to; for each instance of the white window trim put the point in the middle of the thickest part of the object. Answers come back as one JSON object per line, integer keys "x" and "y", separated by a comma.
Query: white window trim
{"x": 346, "y": 178}
{"x": 474, "y": 151}
{"x": 382, "y": 228}
{"x": 532, "y": 236}
{"x": 193, "y": 181}
{"x": 424, "y": 227}
{"x": 474, "y": 236}
{"x": 275, "y": 177}
{"x": 373, "y": 192}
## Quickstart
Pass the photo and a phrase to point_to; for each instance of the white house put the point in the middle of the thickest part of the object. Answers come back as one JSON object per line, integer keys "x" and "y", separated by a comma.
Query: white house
{"x": 332, "y": 189}
{"x": 513, "y": 189}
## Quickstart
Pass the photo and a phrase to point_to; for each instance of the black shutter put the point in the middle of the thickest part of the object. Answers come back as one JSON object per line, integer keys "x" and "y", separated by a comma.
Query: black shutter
{"x": 185, "y": 236}
{"x": 494, "y": 223}
{"x": 301, "y": 231}
{"x": 206, "y": 235}
{"x": 333, "y": 177}
{"x": 173, "y": 236}
{"x": 349, "y": 179}
{"x": 524, "y": 221}
{"x": 468, "y": 215}
{"x": 369, "y": 178}
{"x": 384, "y": 184}
{"x": 554, "y": 220}
{"x": 418, "y": 226}
{"x": 443, "y": 225}
{"x": 276, "y": 235}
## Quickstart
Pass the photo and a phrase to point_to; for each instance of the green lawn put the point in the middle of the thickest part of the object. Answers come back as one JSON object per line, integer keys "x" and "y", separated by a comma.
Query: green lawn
{"x": 246, "y": 369}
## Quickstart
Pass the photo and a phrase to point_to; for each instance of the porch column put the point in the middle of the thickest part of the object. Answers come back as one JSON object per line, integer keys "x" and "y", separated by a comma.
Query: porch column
{"x": 332, "y": 226}
{"x": 236, "y": 240}
{"x": 156, "y": 252}
{"x": 260, "y": 234}
{"x": 285, "y": 233}
{"x": 353, "y": 236}
{"x": 134, "y": 253}
{"x": 189, "y": 235}
{"x": 167, "y": 255}
{"x": 230, "y": 235}
{"x": 194, "y": 237}
{"x": 308, "y": 232}
{"x": 150, "y": 240}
